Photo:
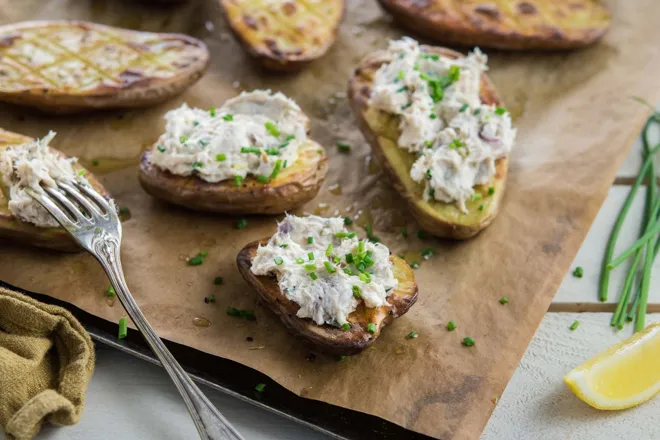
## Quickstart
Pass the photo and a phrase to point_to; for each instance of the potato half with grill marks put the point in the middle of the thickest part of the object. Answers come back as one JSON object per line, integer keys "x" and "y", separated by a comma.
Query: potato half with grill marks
{"x": 326, "y": 338}
{"x": 284, "y": 35}
{"x": 504, "y": 24}
{"x": 71, "y": 66}
{"x": 14, "y": 230}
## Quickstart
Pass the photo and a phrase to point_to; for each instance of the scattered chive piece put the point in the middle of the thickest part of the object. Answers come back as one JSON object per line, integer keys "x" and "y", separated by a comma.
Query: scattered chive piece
{"x": 221, "y": 157}
{"x": 241, "y": 224}
{"x": 310, "y": 240}
{"x": 428, "y": 252}
{"x": 404, "y": 231}
{"x": 110, "y": 291}
{"x": 578, "y": 272}
{"x": 284, "y": 246}
{"x": 328, "y": 250}
{"x": 263, "y": 179}
{"x": 428, "y": 174}
{"x": 357, "y": 292}
{"x": 349, "y": 258}
{"x": 456, "y": 143}
{"x": 197, "y": 165}
{"x": 272, "y": 129}
{"x": 218, "y": 280}
{"x": 238, "y": 180}
{"x": 272, "y": 151}
{"x": 204, "y": 253}
{"x": 81, "y": 172}
{"x": 299, "y": 260}
{"x": 183, "y": 139}
{"x": 336, "y": 260}
{"x": 481, "y": 207}
{"x": 454, "y": 73}
{"x": 285, "y": 162}
{"x": 371, "y": 328}
{"x": 477, "y": 196}
{"x": 209, "y": 299}
{"x": 310, "y": 255}
{"x": 402, "y": 256}
{"x": 413, "y": 335}
{"x": 246, "y": 314}
{"x": 203, "y": 143}
{"x": 463, "y": 108}
{"x": 260, "y": 388}
{"x": 504, "y": 300}
{"x": 276, "y": 169}
{"x": 476, "y": 112}
{"x": 365, "y": 277}
{"x": 351, "y": 234}
{"x": 160, "y": 148}
{"x": 468, "y": 341}
{"x": 402, "y": 89}
{"x": 228, "y": 117}
{"x": 341, "y": 234}
{"x": 428, "y": 144}
{"x": 329, "y": 267}
{"x": 414, "y": 265}
{"x": 491, "y": 190}
{"x": 500, "y": 111}
{"x": 433, "y": 116}
{"x": 278, "y": 260}
{"x": 346, "y": 327}
{"x": 343, "y": 147}
{"x": 212, "y": 112}
{"x": 196, "y": 261}
{"x": 195, "y": 123}
{"x": 309, "y": 267}
{"x": 313, "y": 276}
{"x": 348, "y": 221}
{"x": 95, "y": 162}
{"x": 400, "y": 75}
{"x": 123, "y": 328}
{"x": 451, "y": 326}
{"x": 575, "y": 325}
{"x": 124, "y": 210}
{"x": 251, "y": 150}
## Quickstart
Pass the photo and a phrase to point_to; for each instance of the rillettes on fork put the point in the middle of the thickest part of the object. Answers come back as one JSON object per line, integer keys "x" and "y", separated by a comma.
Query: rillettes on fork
{"x": 93, "y": 222}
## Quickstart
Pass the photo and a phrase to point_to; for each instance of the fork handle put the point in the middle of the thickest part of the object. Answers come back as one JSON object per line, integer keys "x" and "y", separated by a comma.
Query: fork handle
{"x": 210, "y": 423}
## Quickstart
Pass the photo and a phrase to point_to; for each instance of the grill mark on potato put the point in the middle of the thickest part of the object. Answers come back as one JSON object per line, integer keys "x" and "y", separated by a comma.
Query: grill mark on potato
{"x": 526, "y": 8}
{"x": 289, "y": 8}
{"x": 250, "y": 22}
{"x": 490, "y": 10}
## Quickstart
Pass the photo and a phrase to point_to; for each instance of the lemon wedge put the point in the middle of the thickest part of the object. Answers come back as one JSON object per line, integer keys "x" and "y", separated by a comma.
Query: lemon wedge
{"x": 622, "y": 376}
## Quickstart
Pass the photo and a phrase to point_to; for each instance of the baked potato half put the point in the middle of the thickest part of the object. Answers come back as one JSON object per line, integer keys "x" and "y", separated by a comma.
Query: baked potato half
{"x": 14, "y": 230}
{"x": 72, "y": 66}
{"x": 509, "y": 25}
{"x": 284, "y": 35}
{"x": 294, "y": 185}
{"x": 327, "y": 338}
{"x": 382, "y": 132}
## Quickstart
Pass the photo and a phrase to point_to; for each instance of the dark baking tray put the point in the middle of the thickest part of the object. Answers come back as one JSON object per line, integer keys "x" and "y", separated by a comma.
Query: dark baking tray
{"x": 238, "y": 381}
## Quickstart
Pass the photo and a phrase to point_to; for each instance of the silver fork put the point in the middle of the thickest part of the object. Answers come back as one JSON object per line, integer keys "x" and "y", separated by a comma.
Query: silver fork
{"x": 98, "y": 230}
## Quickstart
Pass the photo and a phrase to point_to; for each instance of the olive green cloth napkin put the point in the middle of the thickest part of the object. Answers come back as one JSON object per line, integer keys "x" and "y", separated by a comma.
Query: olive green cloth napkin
{"x": 46, "y": 362}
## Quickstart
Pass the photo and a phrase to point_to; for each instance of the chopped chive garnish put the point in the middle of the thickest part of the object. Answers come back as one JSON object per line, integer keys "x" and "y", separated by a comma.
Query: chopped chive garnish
{"x": 451, "y": 326}
{"x": 432, "y": 193}
{"x": 220, "y": 157}
{"x": 476, "y": 112}
{"x": 110, "y": 291}
{"x": 299, "y": 260}
{"x": 349, "y": 258}
{"x": 413, "y": 335}
{"x": 433, "y": 116}
{"x": 246, "y": 314}
{"x": 197, "y": 165}
{"x": 456, "y": 143}
{"x": 575, "y": 325}
{"x": 278, "y": 260}
{"x": 500, "y": 111}
{"x": 310, "y": 255}
{"x": 369, "y": 261}
{"x": 348, "y": 221}
{"x": 276, "y": 169}
{"x": 329, "y": 267}
{"x": 463, "y": 108}
{"x": 272, "y": 151}
{"x": 272, "y": 129}
{"x": 209, "y": 299}
{"x": 263, "y": 179}
{"x": 313, "y": 276}
{"x": 328, "y": 250}
{"x": 402, "y": 89}
{"x": 212, "y": 112}
{"x": 204, "y": 253}
{"x": 336, "y": 260}
{"x": 123, "y": 328}
{"x": 400, "y": 75}
{"x": 238, "y": 180}
{"x": 504, "y": 300}
{"x": 241, "y": 224}
{"x": 491, "y": 190}
{"x": 285, "y": 162}
{"x": 228, "y": 117}
{"x": 454, "y": 73}
{"x": 203, "y": 143}
{"x": 183, "y": 139}
{"x": 251, "y": 150}
{"x": 371, "y": 328}
{"x": 343, "y": 147}
{"x": 195, "y": 123}
{"x": 196, "y": 260}
{"x": 81, "y": 172}
{"x": 284, "y": 246}
{"x": 428, "y": 252}
{"x": 346, "y": 327}
{"x": 218, "y": 280}
{"x": 414, "y": 265}
{"x": 348, "y": 271}
{"x": 481, "y": 207}
{"x": 428, "y": 144}
{"x": 360, "y": 246}
{"x": 341, "y": 234}
{"x": 468, "y": 341}
{"x": 351, "y": 234}
{"x": 290, "y": 137}
{"x": 428, "y": 174}
{"x": 365, "y": 277}
{"x": 578, "y": 272}
{"x": 310, "y": 240}
{"x": 260, "y": 388}
{"x": 161, "y": 148}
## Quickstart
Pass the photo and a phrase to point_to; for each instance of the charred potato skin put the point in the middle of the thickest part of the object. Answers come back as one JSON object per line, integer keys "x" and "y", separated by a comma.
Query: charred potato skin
{"x": 458, "y": 30}
{"x": 285, "y": 193}
{"x": 13, "y": 230}
{"x": 325, "y": 338}
{"x": 269, "y": 56}
{"x": 141, "y": 92}
{"x": 359, "y": 93}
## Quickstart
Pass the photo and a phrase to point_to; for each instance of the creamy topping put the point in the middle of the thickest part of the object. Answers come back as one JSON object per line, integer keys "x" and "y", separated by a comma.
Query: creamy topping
{"x": 325, "y": 269}
{"x": 456, "y": 137}
{"x": 31, "y": 165}
{"x": 256, "y": 133}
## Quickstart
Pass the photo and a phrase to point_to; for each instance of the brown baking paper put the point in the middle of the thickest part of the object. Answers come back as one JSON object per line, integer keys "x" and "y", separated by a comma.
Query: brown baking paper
{"x": 575, "y": 120}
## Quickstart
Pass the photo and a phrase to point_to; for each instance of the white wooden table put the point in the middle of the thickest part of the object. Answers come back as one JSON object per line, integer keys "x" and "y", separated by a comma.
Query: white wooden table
{"x": 132, "y": 399}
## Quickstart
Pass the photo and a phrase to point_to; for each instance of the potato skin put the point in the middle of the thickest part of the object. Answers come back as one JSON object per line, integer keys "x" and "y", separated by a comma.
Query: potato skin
{"x": 325, "y": 338}
{"x": 293, "y": 187}
{"x": 136, "y": 88}
{"x": 14, "y": 230}
{"x": 274, "y": 49}
{"x": 440, "y": 224}
{"x": 480, "y": 23}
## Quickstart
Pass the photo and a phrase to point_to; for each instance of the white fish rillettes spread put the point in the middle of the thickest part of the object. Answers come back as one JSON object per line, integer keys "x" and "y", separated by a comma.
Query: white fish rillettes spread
{"x": 257, "y": 133}
{"x": 456, "y": 137}
{"x": 325, "y": 269}
{"x": 30, "y": 165}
